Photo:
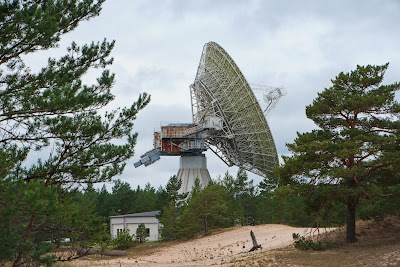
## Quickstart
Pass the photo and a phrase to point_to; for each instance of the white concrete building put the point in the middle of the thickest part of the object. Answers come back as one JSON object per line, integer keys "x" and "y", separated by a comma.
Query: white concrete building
{"x": 132, "y": 221}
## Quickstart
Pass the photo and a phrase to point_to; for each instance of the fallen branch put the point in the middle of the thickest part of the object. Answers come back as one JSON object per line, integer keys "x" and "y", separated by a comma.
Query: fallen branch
{"x": 91, "y": 251}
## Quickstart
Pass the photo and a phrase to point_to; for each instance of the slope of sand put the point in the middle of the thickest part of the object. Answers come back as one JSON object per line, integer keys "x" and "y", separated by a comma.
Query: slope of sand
{"x": 211, "y": 250}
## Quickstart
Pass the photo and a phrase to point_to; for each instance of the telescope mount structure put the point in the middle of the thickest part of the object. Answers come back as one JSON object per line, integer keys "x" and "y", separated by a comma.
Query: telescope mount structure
{"x": 227, "y": 119}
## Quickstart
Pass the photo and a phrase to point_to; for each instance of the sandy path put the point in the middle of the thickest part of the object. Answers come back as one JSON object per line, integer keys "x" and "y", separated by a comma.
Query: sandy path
{"x": 213, "y": 250}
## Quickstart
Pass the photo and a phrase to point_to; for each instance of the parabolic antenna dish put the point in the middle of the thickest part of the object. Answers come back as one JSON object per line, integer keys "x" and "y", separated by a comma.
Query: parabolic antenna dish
{"x": 221, "y": 91}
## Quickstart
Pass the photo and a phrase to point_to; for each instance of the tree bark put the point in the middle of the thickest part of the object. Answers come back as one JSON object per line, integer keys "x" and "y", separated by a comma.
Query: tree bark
{"x": 205, "y": 224}
{"x": 255, "y": 244}
{"x": 351, "y": 213}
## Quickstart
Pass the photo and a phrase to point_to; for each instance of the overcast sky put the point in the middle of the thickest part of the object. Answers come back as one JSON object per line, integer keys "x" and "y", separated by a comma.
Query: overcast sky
{"x": 300, "y": 45}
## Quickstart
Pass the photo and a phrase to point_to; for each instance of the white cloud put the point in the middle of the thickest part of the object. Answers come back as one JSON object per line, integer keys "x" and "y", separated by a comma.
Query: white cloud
{"x": 301, "y": 45}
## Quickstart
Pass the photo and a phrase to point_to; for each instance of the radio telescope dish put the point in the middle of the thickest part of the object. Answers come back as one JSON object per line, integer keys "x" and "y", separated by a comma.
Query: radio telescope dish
{"x": 220, "y": 90}
{"x": 227, "y": 119}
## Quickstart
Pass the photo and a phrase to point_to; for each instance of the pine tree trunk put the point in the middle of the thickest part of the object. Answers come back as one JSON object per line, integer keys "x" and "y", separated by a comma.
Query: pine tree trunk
{"x": 17, "y": 261}
{"x": 206, "y": 224}
{"x": 351, "y": 213}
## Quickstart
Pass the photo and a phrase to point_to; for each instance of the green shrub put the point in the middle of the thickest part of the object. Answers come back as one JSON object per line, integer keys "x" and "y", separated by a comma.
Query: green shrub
{"x": 303, "y": 243}
{"x": 124, "y": 240}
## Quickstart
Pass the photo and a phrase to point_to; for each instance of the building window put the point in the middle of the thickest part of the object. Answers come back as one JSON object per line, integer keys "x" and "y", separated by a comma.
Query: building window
{"x": 119, "y": 231}
{"x": 147, "y": 231}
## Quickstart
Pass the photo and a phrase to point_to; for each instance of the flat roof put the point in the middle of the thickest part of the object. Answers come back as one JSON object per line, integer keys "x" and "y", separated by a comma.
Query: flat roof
{"x": 177, "y": 124}
{"x": 140, "y": 214}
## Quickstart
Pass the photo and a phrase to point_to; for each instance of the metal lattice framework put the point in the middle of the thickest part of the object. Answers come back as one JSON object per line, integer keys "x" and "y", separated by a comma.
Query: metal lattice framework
{"x": 221, "y": 90}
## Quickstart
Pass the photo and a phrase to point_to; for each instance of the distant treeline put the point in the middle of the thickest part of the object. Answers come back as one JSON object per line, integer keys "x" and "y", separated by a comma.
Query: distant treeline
{"x": 227, "y": 201}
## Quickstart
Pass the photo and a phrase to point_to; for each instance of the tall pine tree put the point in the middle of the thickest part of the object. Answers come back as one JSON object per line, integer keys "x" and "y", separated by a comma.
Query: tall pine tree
{"x": 358, "y": 140}
{"x": 52, "y": 117}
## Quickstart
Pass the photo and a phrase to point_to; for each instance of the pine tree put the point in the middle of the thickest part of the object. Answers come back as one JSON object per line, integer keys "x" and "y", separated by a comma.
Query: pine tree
{"x": 196, "y": 188}
{"x": 358, "y": 140}
{"x": 169, "y": 221}
{"x": 123, "y": 197}
{"x": 141, "y": 233}
{"x": 207, "y": 209}
{"x": 172, "y": 188}
{"x": 52, "y": 116}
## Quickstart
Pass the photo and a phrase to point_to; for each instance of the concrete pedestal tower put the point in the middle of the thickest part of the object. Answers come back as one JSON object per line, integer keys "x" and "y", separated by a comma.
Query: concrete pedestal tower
{"x": 190, "y": 168}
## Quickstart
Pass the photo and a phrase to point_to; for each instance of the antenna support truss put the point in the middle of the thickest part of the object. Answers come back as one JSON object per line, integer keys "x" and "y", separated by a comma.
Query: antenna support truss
{"x": 227, "y": 119}
{"x": 271, "y": 95}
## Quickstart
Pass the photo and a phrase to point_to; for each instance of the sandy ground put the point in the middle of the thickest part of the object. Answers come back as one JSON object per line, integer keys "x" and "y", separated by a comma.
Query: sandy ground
{"x": 212, "y": 250}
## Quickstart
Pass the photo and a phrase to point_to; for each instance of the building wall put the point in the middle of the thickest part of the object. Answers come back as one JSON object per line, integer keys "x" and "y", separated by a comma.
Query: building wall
{"x": 132, "y": 224}
{"x": 115, "y": 228}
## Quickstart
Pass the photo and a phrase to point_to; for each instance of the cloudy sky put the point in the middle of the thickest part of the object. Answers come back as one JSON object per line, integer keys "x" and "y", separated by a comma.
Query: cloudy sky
{"x": 300, "y": 45}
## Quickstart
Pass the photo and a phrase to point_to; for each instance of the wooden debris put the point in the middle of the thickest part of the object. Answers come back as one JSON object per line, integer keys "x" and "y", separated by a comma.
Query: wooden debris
{"x": 255, "y": 244}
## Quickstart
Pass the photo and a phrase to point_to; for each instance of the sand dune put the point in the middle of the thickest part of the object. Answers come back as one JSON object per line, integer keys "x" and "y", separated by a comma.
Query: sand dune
{"x": 211, "y": 250}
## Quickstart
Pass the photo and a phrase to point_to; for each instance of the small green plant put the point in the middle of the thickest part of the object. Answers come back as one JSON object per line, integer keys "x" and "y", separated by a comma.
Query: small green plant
{"x": 124, "y": 240}
{"x": 303, "y": 243}
{"x": 142, "y": 233}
